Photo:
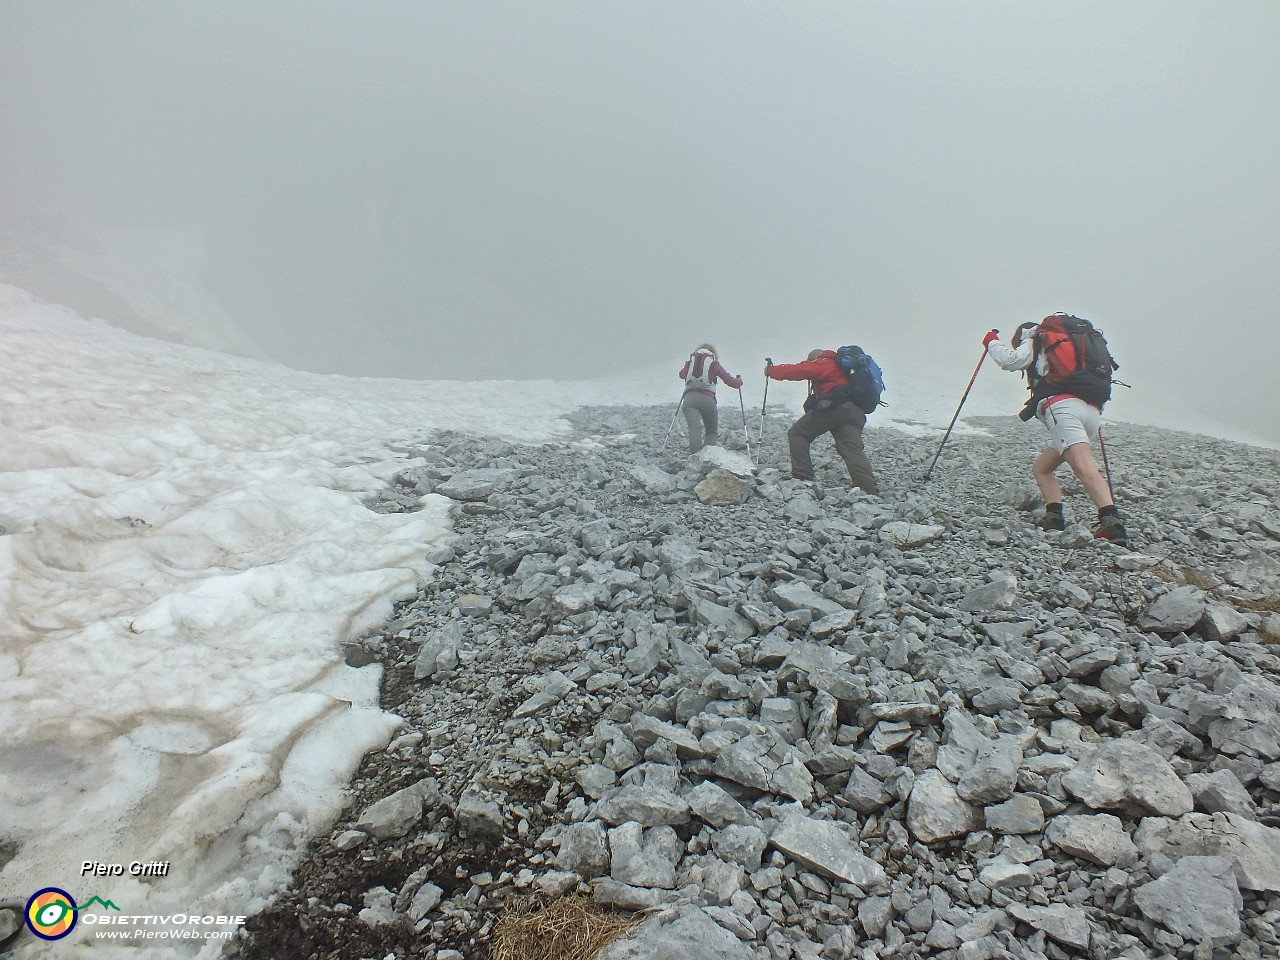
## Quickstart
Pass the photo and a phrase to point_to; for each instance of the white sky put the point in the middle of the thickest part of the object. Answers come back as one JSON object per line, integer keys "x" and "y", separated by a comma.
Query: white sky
{"x": 511, "y": 189}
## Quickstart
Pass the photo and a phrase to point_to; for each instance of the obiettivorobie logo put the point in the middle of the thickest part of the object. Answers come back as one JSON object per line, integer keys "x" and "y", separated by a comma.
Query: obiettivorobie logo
{"x": 52, "y": 913}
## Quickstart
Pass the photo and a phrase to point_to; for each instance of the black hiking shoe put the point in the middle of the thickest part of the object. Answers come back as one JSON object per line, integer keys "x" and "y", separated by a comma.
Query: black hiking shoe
{"x": 1052, "y": 520}
{"x": 1112, "y": 529}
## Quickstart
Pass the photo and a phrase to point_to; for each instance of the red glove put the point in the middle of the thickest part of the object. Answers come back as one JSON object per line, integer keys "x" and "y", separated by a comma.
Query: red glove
{"x": 991, "y": 335}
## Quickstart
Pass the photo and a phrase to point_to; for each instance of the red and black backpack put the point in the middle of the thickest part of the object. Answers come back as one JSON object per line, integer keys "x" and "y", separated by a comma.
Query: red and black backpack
{"x": 1078, "y": 362}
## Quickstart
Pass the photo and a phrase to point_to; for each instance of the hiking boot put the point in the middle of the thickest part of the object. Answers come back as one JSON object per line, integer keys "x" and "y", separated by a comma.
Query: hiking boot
{"x": 803, "y": 478}
{"x": 1052, "y": 520}
{"x": 1112, "y": 529}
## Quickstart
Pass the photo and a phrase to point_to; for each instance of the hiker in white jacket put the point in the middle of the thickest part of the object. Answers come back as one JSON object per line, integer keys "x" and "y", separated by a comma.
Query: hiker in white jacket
{"x": 1073, "y": 424}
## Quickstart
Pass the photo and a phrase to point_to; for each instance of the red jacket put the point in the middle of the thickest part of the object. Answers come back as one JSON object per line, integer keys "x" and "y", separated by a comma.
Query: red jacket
{"x": 824, "y": 372}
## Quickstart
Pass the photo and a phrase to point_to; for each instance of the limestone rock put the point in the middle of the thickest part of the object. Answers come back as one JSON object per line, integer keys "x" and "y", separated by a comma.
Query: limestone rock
{"x": 740, "y": 844}
{"x": 998, "y": 594}
{"x": 379, "y": 909}
{"x": 646, "y": 805}
{"x": 583, "y": 849}
{"x": 1065, "y": 924}
{"x": 1198, "y": 900}
{"x": 473, "y": 485}
{"x": 825, "y": 846}
{"x": 424, "y": 901}
{"x": 1176, "y": 611}
{"x": 597, "y": 537}
{"x": 439, "y": 652}
{"x": 478, "y": 816}
{"x": 755, "y": 761}
{"x": 554, "y": 688}
{"x": 712, "y": 803}
{"x": 1098, "y": 838}
{"x": 1252, "y": 849}
{"x": 994, "y": 772}
{"x": 1221, "y": 622}
{"x": 1020, "y": 814}
{"x": 799, "y": 596}
{"x": 644, "y": 858}
{"x": 1220, "y": 791}
{"x": 903, "y": 534}
{"x": 10, "y": 923}
{"x": 682, "y": 935}
{"x": 651, "y": 479}
{"x": 722, "y": 488}
{"x": 936, "y": 812}
{"x": 612, "y": 893}
{"x": 393, "y": 816}
{"x": 646, "y": 731}
{"x": 1124, "y": 773}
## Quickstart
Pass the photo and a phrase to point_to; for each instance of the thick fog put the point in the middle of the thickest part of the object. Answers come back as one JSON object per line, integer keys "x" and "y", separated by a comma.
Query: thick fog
{"x": 537, "y": 188}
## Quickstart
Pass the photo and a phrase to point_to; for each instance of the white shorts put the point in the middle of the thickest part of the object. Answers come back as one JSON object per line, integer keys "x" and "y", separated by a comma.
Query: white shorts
{"x": 1070, "y": 421}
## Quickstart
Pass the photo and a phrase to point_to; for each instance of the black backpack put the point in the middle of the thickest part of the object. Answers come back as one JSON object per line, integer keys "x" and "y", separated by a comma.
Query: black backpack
{"x": 1079, "y": 361}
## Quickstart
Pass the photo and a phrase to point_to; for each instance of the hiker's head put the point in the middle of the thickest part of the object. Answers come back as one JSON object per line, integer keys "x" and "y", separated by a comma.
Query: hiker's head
{"x": 815, "y": 354}
{"x": 1020, "y": 333}
{"x": 707, "y": 348}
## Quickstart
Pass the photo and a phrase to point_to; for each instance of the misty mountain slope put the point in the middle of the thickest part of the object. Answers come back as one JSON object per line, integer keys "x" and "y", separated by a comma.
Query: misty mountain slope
{"x": 836, "y": 726}
{"x": 152, "y": 282}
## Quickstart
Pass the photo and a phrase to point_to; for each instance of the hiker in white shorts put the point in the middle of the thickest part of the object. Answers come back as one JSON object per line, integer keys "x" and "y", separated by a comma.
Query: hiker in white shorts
{"x": 1070, "y": 421}
{"x": 1058, "y": 373}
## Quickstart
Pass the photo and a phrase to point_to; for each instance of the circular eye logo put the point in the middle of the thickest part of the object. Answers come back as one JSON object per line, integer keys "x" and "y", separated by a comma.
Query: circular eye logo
{"x": 51, "y": 913}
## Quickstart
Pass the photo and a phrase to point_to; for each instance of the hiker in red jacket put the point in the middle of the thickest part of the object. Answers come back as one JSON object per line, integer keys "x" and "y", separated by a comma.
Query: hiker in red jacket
{"x": 827, "y": 410}
{"x": 700, "y": 373}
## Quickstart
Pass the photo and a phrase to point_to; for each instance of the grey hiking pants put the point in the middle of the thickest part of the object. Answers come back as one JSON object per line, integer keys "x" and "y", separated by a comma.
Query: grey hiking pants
{"x": 845, "y": 424}
{"x": 700, "y": 413}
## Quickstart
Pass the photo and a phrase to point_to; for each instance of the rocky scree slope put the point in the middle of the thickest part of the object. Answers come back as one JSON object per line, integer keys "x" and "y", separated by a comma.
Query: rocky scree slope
{"x": 798, "y": 721}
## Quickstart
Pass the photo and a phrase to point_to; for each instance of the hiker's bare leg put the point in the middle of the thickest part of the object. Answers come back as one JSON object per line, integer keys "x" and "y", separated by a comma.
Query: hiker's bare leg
{"x": 1048, "y": 461}
{"x": 1079, "y": 457}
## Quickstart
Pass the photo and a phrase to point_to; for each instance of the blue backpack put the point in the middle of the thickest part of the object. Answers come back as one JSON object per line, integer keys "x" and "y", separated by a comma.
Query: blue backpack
{"x": 866, "y": 382}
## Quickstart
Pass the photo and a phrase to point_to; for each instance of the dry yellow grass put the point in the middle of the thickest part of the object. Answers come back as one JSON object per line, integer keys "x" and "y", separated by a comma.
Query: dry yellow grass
{"x": 1264, "y": 605}
{"x": 1185, "y": 576}
{"x": 571, "y": 928}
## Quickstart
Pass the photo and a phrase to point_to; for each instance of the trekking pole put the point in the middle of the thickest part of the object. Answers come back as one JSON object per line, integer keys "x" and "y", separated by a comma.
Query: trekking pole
{"x": 1103, "y": 445}
{"x": 953, "y": 419}
{"x": 768, "y": 362}
{"x": 672, "y": 424}
{"x": 745, "y": 436}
